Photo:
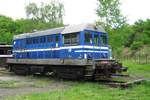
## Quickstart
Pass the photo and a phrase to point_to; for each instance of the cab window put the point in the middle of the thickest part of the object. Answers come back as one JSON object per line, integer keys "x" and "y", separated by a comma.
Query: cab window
{"x": 103, "y": 40}
{"x": 96, "y": 39}
{"x": 88, "y": 38}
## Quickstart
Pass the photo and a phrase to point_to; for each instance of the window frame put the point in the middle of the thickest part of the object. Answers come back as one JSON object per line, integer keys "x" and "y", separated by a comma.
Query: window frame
{"x": 106, "y": 40}
{"x": 50, "y": 39}
{"x": 90, "y": 41}
{"x": 29, "y": 41}
{"x": 35, "y": 40}
{"x": 72, "y": 38}
{"x": 42, "y": 39}
{"x": 57, "y": 38}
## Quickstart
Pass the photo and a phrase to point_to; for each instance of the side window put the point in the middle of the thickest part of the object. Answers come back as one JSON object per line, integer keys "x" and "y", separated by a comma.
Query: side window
{"x": 2, "y": 52}
{"x": 42, "y": 39}
{"x": 74, "y": 38}
{"x": 29, "y": 41}
{"x": 35, "y": 41}
{"x": 96, "y": 39}
{"x": 67, "y": 39}
{"x": 71, "y": 39}
{"x": 50, "y": 39}
{"x": 88, "y": 37}
{"x": 103, "y": 40}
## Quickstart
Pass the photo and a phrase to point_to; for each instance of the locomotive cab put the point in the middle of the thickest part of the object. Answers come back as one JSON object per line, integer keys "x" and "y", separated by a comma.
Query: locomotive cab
{"x": 93, "y": 44}
{"x": 99, "y": 45}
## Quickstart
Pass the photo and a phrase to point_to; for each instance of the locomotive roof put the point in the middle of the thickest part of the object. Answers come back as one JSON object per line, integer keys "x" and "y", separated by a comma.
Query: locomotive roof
{"x": 62, "y": 30}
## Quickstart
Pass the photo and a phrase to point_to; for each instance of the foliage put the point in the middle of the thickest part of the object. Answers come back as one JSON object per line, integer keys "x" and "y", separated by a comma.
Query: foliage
{"x": 51, "y": 13}
{"x": 7, "y": 24}
{"x": 141, "y": 70}
{"x": 29, "y": 25}
{"x": 110, "y": 14}
{"x": 25, "y": 25}
{"x": 130, "y": 36}
{"x": 136, "y": 45}
{"x": 118, "y": 37}
{"x": 122, "y": 35}
{"x": 7, "y": 29}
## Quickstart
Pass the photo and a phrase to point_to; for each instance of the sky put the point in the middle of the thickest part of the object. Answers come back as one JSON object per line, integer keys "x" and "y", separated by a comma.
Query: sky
{"x": 79, "y": 11}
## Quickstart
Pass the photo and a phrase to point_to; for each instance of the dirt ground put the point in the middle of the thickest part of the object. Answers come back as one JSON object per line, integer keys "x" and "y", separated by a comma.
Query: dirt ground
{"x": 13, "y": 85}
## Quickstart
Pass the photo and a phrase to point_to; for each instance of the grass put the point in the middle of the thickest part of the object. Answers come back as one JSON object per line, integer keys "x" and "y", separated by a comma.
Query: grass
{"x": 92, "y": 91}
{"x": 38, "y": 81}
{"x": 142, "y": 70}
{"x": 96, "y": 91}
{"x": 29, "y": 81}
{"x": 8, "y": 84}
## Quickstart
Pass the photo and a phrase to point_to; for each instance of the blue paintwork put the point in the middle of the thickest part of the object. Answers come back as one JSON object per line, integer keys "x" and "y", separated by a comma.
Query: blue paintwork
{"x": 75, "y": 53}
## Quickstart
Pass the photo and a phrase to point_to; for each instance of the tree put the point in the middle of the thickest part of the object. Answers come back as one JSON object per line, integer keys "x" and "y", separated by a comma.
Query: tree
{"x": 25, "y": 25}
{"x": 109, "y": 14}
{"x": 6, "y": 24}
{"x": 49, "y": 13}
{"x": 7, "y": 29}
{"x": 32, "y": 11}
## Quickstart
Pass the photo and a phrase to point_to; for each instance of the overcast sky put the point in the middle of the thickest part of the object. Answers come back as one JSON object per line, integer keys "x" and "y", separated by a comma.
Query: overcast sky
{"x": 79, "y": 11}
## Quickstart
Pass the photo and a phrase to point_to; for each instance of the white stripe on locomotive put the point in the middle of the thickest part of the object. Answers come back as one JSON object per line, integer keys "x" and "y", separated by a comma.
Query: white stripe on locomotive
{"x": 61, "y": 48}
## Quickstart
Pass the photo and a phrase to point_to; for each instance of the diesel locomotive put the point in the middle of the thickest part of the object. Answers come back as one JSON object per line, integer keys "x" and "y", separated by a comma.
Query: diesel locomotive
{"x": 70, "y": 52}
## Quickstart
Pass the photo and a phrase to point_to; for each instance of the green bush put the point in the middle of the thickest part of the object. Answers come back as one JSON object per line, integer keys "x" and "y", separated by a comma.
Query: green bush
{"x": 136, "y": 45}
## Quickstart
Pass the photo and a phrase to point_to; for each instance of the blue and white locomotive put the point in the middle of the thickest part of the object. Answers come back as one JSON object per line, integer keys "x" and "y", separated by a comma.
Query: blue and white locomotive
{"x": 75, "y": 42}
{"x": 77, "y": 51}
